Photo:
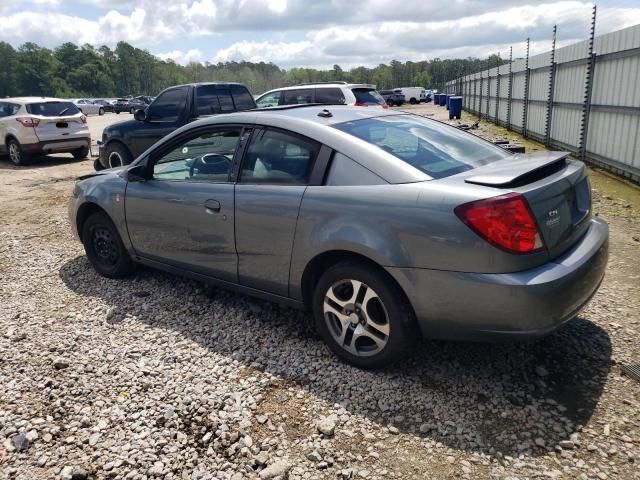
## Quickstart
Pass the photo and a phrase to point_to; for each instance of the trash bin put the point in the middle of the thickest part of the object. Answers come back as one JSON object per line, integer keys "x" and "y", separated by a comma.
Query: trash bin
{"x": 447, "y": 100}
{"x": 443, "y": 97}
{"x": 455, "y": 107}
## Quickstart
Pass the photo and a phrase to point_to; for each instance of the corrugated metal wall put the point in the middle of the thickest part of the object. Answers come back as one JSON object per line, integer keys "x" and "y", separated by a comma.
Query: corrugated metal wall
{"x": 613, "y": 130}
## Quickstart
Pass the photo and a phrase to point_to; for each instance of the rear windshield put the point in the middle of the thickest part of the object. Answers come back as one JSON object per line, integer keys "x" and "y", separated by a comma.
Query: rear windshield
{"x": 368, "y": 96}
{"x": 52, "y": 109}
{"x": 432, "y": 147}
{"x": 213, "y": 99}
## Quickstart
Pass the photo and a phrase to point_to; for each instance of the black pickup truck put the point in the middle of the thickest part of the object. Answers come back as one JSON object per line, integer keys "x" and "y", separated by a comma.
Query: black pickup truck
{"x": 174, "y": 107}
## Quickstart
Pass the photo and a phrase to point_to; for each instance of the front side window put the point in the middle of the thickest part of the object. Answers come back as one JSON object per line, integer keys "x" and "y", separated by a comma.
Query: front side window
{"x": 269, "y": 100}
{"x": 276, "y": 157}
{"x": 169, "y": 106}
{"x": 207, "y": 157}
{"x": 298, "y": 96}
{"x": 242, "y": 98}
{"x": 433, "y": 148}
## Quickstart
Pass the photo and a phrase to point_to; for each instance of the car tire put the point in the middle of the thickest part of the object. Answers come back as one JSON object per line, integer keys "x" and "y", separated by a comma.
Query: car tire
{"x": 370, "y": 335}
{"x": 413, "y": 101}
{"x": 104, "y": 247}
{"x": 80, "y": 153}
{"x": 390, "y": 103}
{"x": 16, "y": 155}
{"x": 132, "y": 110}
{"x": 101, "y": 112}
{"x": 97, "y": 166}
{"x": 117, "y": 113}
{"x": 116, "y": 155}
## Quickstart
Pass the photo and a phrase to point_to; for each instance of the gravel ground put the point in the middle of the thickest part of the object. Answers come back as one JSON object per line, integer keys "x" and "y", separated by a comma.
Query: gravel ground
{"x": 157, "y": 377}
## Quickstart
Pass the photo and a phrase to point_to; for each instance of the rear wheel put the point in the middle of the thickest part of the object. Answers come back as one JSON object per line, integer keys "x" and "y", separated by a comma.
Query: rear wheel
{"x": 362, "y": 316}
{"x": 117, "y": 154}
{"x": 413, "y": 101}
{"x": 101, "y": 111}
{"x": 104, "y": 247}
{"x": 80, "y": 153}
{"x": 118, "y": 112}
{"x": 97, "y": 166}
{"x": 16, "y": 155}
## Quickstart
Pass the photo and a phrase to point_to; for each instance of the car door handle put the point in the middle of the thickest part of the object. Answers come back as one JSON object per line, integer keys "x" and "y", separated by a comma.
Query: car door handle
{"x": 212, "y": 205}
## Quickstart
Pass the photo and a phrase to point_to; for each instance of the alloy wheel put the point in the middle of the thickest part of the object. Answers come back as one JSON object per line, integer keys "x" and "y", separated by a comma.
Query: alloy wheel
{"x": 14, "y": 153}
{"x": 356, "y": 317}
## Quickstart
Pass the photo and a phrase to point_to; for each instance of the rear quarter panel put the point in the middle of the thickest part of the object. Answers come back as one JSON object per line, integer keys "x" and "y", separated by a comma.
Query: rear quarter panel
{"x": 406, "y": 225}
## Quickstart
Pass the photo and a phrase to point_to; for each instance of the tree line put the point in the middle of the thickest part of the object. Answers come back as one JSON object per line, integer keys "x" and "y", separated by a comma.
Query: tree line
{"x": 85, "y": 71}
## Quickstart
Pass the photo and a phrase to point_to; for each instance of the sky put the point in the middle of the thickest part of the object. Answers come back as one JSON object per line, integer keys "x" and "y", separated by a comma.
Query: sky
{"x": 311, "y": 33}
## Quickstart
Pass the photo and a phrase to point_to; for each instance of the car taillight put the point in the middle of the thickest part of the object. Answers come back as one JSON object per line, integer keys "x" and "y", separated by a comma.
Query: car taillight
{"x": 83, "y": 118}
{"x": 28, "y": 121}
{"x": 505, "y": 221}
{"x": 361, "y": 104}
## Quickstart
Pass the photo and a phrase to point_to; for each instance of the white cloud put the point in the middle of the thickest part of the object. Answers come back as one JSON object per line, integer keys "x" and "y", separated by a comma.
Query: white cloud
{"x": 357, "y": 32}
{"x": 183, "y": 58}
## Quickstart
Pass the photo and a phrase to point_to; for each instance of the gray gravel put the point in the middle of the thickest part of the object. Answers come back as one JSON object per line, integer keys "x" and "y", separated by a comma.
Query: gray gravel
{"x": 156, "y": 377}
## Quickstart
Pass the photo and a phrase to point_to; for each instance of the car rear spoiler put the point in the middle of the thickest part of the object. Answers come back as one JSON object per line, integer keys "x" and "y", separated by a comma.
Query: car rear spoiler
{"x": 519, "y": 169}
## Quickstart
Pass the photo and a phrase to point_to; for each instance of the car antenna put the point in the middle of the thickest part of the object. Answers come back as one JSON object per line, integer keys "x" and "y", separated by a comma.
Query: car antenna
{"x": 325, "y": 113}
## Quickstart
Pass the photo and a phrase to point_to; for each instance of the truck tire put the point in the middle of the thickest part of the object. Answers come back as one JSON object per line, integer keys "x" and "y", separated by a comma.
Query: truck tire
{"x": 116, "y": 155}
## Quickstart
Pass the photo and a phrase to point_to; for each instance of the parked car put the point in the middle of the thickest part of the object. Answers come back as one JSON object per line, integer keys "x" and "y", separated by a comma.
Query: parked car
{"x": 174, "y": 107}
{"x": 137, "y": 104}
{"x": 122, "y": 105}
{"x": 392, "y": 97}
{"x": 414, "y": 95}
{"x": 88, "y": 107}
{"x": 383, "y": 224}
{"x": 106, "y": 105}
{"x": 331, "y": 93}
{"x": 31, "y": 126}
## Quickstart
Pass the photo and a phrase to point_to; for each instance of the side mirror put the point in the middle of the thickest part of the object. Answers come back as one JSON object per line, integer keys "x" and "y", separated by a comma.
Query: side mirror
{"x": 140, "y": 115}
{"x": 135, "y": 173}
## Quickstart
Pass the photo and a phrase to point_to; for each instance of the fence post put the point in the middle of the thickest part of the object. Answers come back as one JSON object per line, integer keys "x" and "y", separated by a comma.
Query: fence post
{"x": 497, "y": 119}
{"x": 488, "y": 94}
{"x": 552, "y": 81}
{"x": 475, "y": 92}
{"x": 588, "y": 86}
{"x": 510, "y": 88}
{"x": 525, "y": 99}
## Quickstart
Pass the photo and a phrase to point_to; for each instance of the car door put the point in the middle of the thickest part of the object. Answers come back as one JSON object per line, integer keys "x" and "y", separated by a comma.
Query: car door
{"x": 168, "y": 112}
{"x": 183, "y": 214}
{"x": 273, "y": 177}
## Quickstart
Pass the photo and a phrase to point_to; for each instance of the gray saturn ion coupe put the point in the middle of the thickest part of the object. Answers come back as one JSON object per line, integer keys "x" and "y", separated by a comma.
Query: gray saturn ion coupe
{"x": 382, "y": 223}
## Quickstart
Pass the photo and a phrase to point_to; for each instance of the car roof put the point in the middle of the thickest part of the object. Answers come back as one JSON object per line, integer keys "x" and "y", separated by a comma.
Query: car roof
{"x": 321, "y": 85}
{"x": 32, "y": 99}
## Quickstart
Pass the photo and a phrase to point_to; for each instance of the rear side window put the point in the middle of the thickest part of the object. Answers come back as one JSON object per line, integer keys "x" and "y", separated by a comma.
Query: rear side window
{"x": 333, "y": 96}
{"x": 298, "y": 96}
{"x": 242, "y": 98}
{"x": 367, "y": 96}
{"x": 52, "y": 109}
{"x": 169, "y": 106}
{"x": 213, "y": 99}
{"x": 433, "y": 148}
{"x": 269, "y": 100}
{"x": 276, "y": 157}
{"x": 8, "y": 109}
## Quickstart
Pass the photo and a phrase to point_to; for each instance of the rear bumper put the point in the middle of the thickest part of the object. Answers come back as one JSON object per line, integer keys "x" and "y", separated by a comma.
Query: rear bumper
{"x": 57, "y": 146}
{"x": 532, "y": 303}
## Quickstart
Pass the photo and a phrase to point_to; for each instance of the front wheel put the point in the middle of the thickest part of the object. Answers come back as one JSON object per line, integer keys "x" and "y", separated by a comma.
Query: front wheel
{"x": 101, "y": 111}
{"x": 413, "y": 101}
{"x": 104, "y": 248}
{"x": 117, "y": 155}
{"x": 362, "y": 315}
{"x": 118, "y": 112}
{"x": 132, "y": 110}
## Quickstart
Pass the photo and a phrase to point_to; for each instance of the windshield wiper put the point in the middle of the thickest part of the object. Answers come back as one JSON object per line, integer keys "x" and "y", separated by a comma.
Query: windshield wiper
{"x": 63, "y": 111}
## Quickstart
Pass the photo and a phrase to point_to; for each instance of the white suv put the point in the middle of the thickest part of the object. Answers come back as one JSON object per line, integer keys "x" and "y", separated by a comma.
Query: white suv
{"x": 37, "y": 125}
{"x": 332, "y": 93}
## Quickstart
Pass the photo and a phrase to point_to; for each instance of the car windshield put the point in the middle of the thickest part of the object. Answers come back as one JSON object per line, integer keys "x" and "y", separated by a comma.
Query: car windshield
{"x": 368, "y": 96}
{"x": 52, "y": 109}
{"x": 433, "y": 148}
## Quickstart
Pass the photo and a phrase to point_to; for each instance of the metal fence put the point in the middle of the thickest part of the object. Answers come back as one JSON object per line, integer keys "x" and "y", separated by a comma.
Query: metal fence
{"x": 584, "y": 98}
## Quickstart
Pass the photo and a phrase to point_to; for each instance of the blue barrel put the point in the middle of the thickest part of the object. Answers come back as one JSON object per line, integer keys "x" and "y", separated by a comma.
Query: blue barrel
{"x": 446, "y": 100}
{"x": 442, "y": 98}
{"x": 455, "y": 107}
{"x": 436, "y": 99}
